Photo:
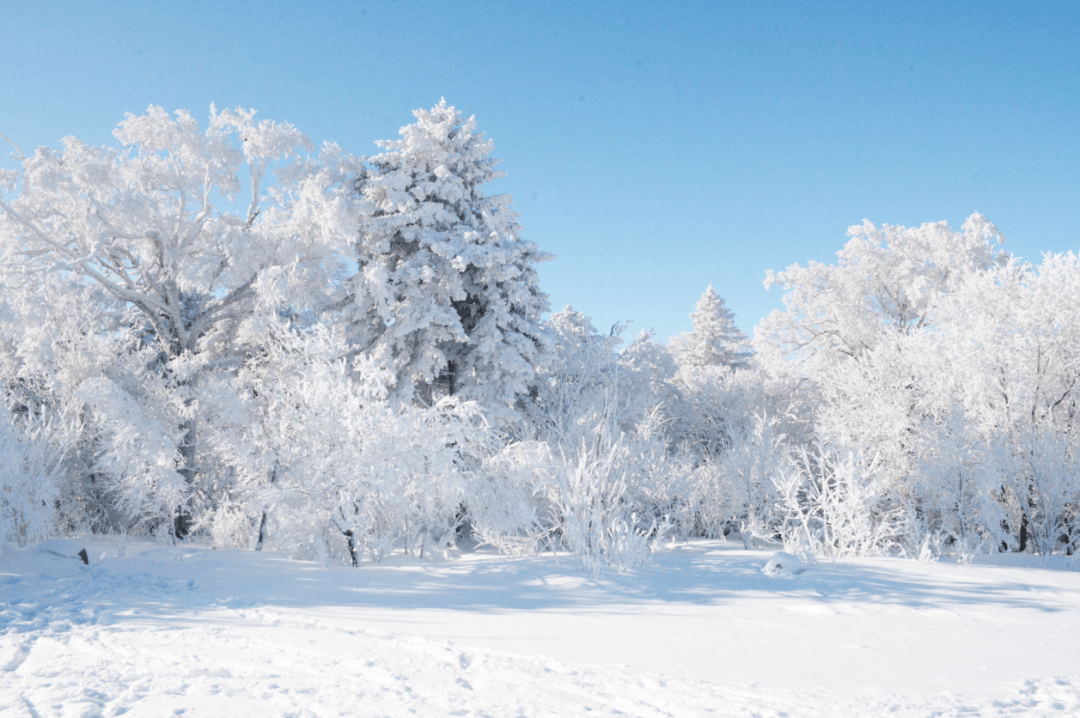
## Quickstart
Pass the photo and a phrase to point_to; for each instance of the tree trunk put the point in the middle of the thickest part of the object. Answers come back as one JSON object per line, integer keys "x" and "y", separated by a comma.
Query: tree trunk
{"x": 262, "y": 532}
{"x": 182, "y": 520}
{"x": 350, "y": 537}
{"x": 262, "y": 522}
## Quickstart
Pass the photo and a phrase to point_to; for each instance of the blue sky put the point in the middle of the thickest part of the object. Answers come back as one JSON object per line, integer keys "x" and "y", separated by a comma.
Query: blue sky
{"x": 655, "y": 147}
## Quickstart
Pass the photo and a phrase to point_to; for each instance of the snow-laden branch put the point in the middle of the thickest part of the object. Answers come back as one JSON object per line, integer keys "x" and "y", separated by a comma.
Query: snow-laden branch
{"x": 18, "y": 153}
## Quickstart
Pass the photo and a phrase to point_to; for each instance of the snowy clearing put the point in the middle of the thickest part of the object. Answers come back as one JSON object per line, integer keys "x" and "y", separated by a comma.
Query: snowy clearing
{"x": 152, "y": 630}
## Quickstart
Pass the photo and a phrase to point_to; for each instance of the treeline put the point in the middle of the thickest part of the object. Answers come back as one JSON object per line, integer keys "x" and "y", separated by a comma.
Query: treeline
{"x": 355, "y": 362}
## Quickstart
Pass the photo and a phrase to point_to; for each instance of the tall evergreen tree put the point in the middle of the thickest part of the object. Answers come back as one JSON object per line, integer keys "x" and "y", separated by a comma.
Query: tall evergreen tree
{"x": 715, "y": 341}
{"x": 447, "y": 294}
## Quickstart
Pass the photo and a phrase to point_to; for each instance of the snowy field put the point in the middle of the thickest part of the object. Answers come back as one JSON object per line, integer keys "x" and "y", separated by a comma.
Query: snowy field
{"x": 152, "y": 630}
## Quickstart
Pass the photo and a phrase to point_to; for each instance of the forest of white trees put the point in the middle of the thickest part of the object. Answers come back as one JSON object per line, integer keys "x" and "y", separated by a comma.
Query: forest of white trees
{"x": 226, "y": 334}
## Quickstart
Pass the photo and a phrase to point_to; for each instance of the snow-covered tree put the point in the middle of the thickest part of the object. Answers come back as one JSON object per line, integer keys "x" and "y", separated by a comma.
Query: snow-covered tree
{"x": 863, "y": 337}
{"x": 591, "y": 470}
{"x": 957, "y": 489}
{"x": 579, "y": 380}
{"x": 885, "y": 284}
{"x": 447, "y": 293}
{"x": 148, "y": 224}
{"x": 859, "y": 331}
{"x": 326, "y": 466}
{"x": 1007, "y": 353}
{"x": 715, "y": 341}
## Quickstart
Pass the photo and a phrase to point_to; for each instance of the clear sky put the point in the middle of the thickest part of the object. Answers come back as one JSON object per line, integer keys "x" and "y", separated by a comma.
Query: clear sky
{"x": 655, "y": 147}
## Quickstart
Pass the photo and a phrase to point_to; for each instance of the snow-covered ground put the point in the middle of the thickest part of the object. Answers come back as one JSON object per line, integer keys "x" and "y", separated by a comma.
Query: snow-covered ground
{"x": 153, "y": 630}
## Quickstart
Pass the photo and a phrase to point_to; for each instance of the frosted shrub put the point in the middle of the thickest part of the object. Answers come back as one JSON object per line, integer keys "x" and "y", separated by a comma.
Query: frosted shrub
{"x": 713, "y": 508}
{"x": 31, "y": 470}
{"x": 381, "y": 481}
{"x": 1042, "y": 472}
{"x": 56, "y": 343}
{"x": 506, "y": 500}
{"x": 835, "y": 504}
{"x": 715, "y": 403}
{"x": 592, "y": 508}
{"x": 579, "y": 387}
{"x": 609, "y": 501}
{"x": 340, "y": 464}
{"x": 229, "y": 524}
{"x": 737, "y": 489}
{"x": 955, "y": 492}
{"x": 662, "y": 479}
{"x": 539, "y": 497}
{"x": 614, "y": 495}
{"x": 135, "y": 453}
{"x": 601, "y": 481}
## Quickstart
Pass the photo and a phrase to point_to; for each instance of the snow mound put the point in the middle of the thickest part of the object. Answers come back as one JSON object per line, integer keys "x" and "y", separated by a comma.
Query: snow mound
{"x": 783, "y": 564}
{"x": 12, "y": 656}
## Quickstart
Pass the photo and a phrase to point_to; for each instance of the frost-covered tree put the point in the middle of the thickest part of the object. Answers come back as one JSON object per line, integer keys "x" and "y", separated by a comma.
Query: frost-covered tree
{"x": 715, "y": 341}
{"x": 1007, "y": 353}
{"x": 863, "y": 339}
{"x": 149, "y": 224}
{"x": 586, "y": 383}
{"x": 579, "y": 380}
{"x": 54, "y": 337}
{"x": 857, "y": 330}
{"x": 958, "y": 489}
{"x": 327, "y": 467}
{"x": 885, "y": 284}
{"x": 447, "y": 293}
{"x": 596, "y": 473}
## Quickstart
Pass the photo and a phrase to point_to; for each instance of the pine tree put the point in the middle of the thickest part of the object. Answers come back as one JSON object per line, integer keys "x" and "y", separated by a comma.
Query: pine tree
{"x": 447, "y": 293}
{"x": 715, "y": 341}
